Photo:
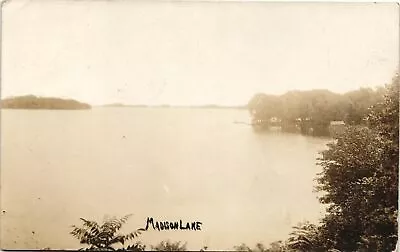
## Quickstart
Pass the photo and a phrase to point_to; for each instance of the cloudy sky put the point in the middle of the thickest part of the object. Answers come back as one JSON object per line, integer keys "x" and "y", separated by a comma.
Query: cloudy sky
{"x": 163, "y": 52}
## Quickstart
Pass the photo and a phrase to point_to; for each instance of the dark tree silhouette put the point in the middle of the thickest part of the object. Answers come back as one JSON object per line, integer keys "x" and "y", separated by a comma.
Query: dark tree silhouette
{"x": 360, "y": 181}
{"x": 104, "y": 236}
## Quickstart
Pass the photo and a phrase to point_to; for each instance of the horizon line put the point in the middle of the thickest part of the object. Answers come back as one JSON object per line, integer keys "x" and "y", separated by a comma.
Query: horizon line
{"x": 103, "y": 104}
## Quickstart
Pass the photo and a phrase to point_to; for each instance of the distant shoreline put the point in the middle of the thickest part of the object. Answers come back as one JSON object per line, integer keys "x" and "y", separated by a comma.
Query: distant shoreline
{"x": 127, "y": 107}
{"x": 170, "y": 106}
{"x": 32, "y": 102}
{"x": 123, "y": 107}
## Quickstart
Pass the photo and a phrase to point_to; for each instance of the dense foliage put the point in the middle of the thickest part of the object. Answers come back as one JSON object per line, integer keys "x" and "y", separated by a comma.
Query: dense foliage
{"x": 360, "y": 181}
{"x": 33, "y": 102}
{"x": 313, "y": 109}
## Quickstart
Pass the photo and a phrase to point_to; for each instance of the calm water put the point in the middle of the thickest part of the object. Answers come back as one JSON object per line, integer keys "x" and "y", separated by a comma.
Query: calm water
{"x": 170, "y": 164}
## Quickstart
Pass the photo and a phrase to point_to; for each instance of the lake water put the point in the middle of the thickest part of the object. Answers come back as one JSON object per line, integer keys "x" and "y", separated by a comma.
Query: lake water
{"x": 170, "y": 164}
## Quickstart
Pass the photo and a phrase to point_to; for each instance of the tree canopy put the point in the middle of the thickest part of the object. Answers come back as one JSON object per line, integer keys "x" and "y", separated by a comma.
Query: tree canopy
{"x": 317, "y": 107}
{"x": 360, "y": 181}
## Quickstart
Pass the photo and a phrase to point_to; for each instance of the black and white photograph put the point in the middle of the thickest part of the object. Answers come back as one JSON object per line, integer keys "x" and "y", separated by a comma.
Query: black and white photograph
{"x": 258, "y": 126}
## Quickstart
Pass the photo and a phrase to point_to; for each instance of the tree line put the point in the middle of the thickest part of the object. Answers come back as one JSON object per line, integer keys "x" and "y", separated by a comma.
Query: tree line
{"x": 34, "y": 102}
{"x": 313, "y": 109}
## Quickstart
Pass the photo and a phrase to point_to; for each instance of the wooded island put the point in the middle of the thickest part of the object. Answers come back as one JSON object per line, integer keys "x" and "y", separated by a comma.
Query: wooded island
{"x": 34, "y": 102}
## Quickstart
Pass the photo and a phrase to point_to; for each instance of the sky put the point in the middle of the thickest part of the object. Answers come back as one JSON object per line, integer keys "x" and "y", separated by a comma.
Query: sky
{"x": 194, "y": 53}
